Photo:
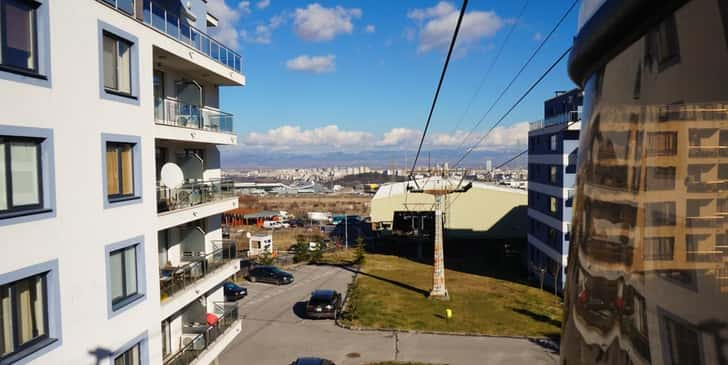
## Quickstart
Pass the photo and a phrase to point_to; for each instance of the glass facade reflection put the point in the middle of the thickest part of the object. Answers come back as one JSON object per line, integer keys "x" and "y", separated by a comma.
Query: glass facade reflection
{"x": 647, "y": 278}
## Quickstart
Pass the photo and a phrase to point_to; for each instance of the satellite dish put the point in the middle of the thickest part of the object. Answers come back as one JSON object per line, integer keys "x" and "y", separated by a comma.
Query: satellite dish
{"x": 247, "y": 234}
{"x": 172, "y": 176}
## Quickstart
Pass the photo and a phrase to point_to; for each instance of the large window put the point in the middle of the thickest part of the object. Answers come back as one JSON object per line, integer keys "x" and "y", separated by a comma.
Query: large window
{"x": 129, "y": 357}
{"x": 117, "y": 64}
{"x": 682, "y": 343}
{"x": 123, "y": 272}
{"x": 554, "y": 142}
{"x": 658, "y": 248}
{"x": 20, "y": 175}
{"x": 18, "y": 34}
{"x": 119, "y": 170}
{"x": 553, "y": 205}
{"x": 554, "y": 174}
{"x": 23, "y": 315}
{"x": 660, "y": 214}
{"x": 661, "y": 143}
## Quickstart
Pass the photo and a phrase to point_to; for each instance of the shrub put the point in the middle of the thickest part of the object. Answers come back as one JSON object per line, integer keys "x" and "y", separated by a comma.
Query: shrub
{"x": 265, "y": 258}
{"x": 300, "y": 250}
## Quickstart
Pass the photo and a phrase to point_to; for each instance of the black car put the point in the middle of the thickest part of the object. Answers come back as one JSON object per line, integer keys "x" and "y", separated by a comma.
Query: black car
{"x": 312, "y": 361}
{"x": 233, "y": 291}
{"x": 270, "y": 274}
{"x": 323, "y": 304}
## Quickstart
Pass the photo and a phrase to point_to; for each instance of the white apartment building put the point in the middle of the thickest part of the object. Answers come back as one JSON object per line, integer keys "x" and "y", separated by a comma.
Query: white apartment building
{"x": 103, "y": 263}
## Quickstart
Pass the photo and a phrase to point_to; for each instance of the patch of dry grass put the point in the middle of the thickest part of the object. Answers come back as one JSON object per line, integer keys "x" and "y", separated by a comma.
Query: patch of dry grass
{"x": 390, "y": 292}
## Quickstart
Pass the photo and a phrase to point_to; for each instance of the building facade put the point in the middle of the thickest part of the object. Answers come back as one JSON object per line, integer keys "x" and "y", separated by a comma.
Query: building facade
{"x": 552, "y": 151}
{"x": 110, "y": 184}
{"x": 648, "y": 264}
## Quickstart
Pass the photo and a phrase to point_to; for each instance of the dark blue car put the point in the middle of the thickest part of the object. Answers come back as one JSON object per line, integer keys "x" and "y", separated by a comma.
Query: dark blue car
{"x": 233, "y": 291}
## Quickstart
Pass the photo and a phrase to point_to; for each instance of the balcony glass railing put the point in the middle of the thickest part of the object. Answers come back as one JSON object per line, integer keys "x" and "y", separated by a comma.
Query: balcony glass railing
{"x": 193, "y": 193}
{"x": 172, "y": 22}
{"x": 201, "y": 342}
{"x": 192, "y": 116}
{"x": 173, "y": 279}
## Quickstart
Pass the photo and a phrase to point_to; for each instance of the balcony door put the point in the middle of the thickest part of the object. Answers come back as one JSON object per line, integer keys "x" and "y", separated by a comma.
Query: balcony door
{"x": 158, "y": 95}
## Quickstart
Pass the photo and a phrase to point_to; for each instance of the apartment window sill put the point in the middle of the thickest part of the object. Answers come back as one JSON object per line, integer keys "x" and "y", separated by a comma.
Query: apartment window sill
{"x": 27, "y": 73}
{"x": 120, "y": 93}
{"x": 23, "y": 213}
{"x": 123, "y": 199}
{"x": 126, "y": 302}
{"x": 27, "y": 351}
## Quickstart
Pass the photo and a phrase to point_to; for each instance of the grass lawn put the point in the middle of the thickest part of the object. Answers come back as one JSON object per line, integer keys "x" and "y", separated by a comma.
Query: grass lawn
{"x": 390, "y": 292}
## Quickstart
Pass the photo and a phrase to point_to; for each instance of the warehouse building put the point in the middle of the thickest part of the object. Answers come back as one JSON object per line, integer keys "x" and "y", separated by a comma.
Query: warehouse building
{"x": 484, "y": 212}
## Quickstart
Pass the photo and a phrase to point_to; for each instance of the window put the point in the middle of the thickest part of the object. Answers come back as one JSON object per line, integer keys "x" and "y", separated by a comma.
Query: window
{"x": 123, "y": 275}
{"x": 661, "y": 144}
{"x": 640, "y": 314}
{"x": 662, "y": 44}
{"x": 554, "y": 142}
{"x": 20, "y": 175}
{"x": 18, "y": 32}
{"x": 117, "y": 64}
{"x": 553, "y": 205}
{"x": 129, "y": 357}
{"x": 658, "y": 248}
{"x": 553, "y": 174}
{"x": 23, "y": 314}
{"x": 126, "y": 6}
{"x": 660, "y": 214}
{"x": 119, "y": 170}
{"x": 660, "y": 178}
{"x": 682, "y": 343}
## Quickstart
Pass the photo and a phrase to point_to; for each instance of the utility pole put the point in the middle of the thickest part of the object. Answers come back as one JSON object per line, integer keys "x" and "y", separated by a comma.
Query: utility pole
{"x": 346, "y": 230}
{"x": 439, "y": 291}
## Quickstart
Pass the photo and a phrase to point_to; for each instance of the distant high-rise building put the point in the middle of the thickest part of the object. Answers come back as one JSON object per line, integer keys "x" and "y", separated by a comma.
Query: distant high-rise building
{"x": 489, "y": 165}
{"x": 552, "y": 149}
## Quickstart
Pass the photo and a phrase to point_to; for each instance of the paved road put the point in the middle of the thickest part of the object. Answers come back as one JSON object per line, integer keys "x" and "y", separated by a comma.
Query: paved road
{"x": 275, "y": 333}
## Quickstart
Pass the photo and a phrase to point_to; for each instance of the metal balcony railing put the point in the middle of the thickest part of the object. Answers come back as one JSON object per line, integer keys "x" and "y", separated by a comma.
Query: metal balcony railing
{"x": 568, "y": 117}
{"x": 193, "y": 193}
{"x": 192, "y": 116}
{"x": 173, "y": 279}
{"x": 172, "y": 23}
{"x": 201, "y": 342}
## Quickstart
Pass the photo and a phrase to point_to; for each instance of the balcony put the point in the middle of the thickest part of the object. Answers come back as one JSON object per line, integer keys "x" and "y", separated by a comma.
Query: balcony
{"x": 709, "y": 221}
{"x": 209, "y": 340}
{"x": 172, "y": 22}
{"x": 193, "y": 193}
{"x": 173, "y": 279}
{"x": 183, "y": 115}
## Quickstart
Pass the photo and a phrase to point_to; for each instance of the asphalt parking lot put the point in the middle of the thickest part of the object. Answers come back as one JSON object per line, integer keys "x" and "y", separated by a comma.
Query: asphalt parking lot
{"x": 276, "y": 332}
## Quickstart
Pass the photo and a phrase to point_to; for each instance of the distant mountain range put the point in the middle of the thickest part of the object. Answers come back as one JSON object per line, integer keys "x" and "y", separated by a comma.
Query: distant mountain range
{"x": 373, "y": 159}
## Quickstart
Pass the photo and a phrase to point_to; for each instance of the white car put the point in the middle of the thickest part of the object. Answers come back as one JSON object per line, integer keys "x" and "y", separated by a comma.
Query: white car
{"x": 272, "y": 224}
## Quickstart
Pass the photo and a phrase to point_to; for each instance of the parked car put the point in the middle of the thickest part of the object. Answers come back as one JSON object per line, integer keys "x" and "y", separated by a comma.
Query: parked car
{"x": 270, "y": 274}
{"x": 312, "y": 361}
{"x": 233, "y": 291}
{"x": 323, "y": 304}
{"x": 272, "y": 224}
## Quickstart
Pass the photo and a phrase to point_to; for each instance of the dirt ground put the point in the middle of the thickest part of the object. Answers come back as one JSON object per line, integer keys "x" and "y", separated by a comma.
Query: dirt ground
{"x": 299, "y": 205}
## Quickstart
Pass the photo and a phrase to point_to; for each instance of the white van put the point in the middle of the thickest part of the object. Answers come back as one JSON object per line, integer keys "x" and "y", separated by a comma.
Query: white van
{"x": 272, "y": 224}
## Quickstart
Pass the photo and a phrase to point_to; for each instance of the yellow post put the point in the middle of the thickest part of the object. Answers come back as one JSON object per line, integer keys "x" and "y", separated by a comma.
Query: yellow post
{"x": 448, "y": 314}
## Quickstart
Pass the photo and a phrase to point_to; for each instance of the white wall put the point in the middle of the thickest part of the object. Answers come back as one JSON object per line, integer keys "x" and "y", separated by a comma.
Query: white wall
{"x": 70, "y": 104}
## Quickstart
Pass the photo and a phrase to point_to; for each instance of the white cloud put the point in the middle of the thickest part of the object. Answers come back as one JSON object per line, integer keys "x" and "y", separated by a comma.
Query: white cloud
{"x": 332, "y": 138}
{"x": 316, "y": 23}
{"x": 315, "y": 64}
{"x": 262, "y": 4}
{"x": 225, "y": 32}
{"x": 244, "y": 7}
{"x": 263, "y": 33}
{"x": 294, "y": 137}
{"x": 370, "y": 28}
{"x": 436, "y": 25}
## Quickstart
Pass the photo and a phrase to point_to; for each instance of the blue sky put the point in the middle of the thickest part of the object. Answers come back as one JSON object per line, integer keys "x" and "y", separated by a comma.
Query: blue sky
{"x": 360, "y": 75}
